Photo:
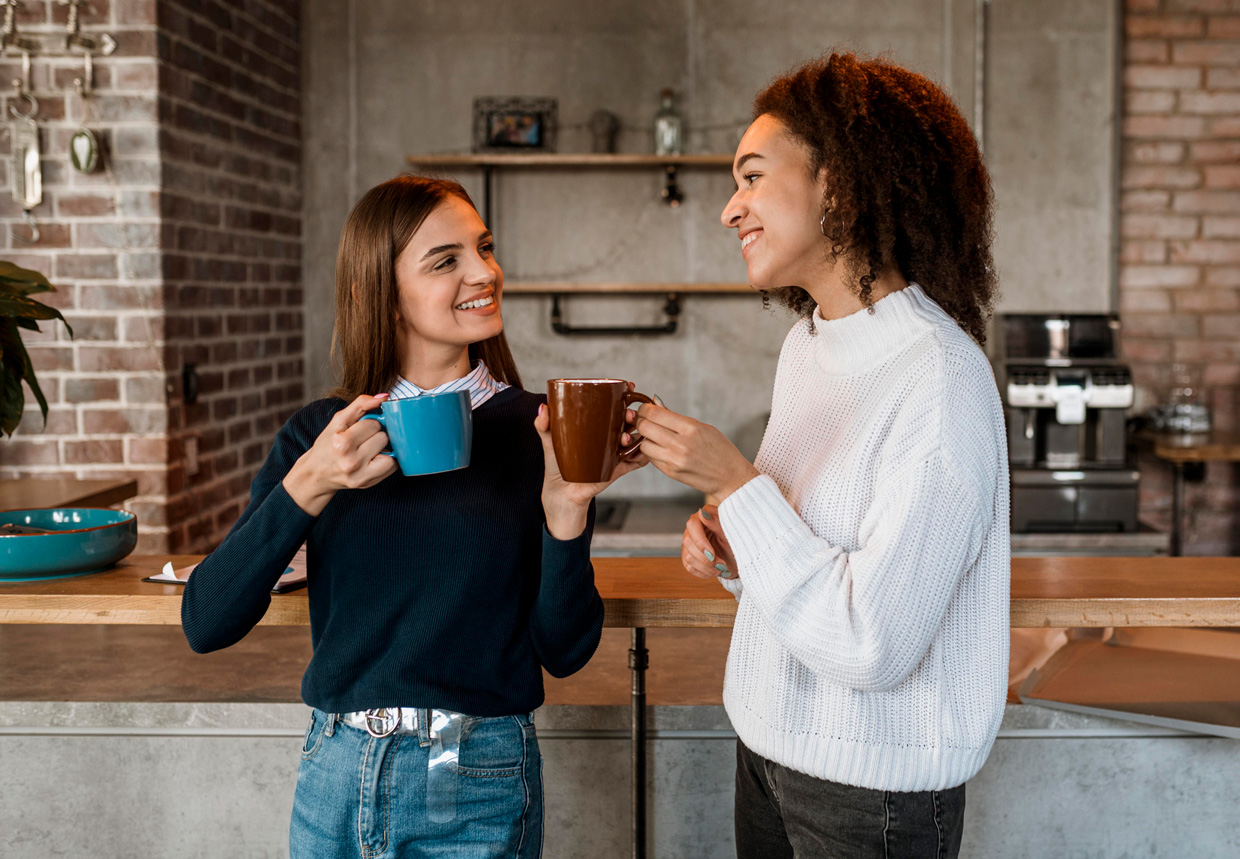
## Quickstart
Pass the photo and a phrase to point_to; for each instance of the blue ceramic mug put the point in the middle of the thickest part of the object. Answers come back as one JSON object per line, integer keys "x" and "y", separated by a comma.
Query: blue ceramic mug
{"x": 428, "y": 434}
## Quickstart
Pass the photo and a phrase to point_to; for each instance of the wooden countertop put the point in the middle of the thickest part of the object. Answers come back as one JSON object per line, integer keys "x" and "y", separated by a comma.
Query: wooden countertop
{"x": 1217, "y": 446}
{"x": 656, "y": 592}
{"x": 32, "y": 493}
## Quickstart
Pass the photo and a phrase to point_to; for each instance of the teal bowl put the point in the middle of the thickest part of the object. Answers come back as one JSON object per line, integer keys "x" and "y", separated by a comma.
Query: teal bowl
{"x": 79, "y": 540}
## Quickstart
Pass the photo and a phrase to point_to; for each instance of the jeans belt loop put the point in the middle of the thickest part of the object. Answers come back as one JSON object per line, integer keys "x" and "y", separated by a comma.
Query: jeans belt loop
{"x": 382, "y": 715}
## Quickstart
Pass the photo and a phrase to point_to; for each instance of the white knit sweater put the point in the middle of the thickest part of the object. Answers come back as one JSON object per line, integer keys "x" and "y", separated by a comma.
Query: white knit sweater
{"x": 871, "y": 639}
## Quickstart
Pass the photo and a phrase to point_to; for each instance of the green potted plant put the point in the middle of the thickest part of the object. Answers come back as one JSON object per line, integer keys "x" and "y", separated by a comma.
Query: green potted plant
{"x": 19, "y": 310}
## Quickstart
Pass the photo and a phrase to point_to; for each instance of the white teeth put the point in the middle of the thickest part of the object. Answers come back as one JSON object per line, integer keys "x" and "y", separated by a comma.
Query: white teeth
{"x": 750, "y": 239}
{"x": 482, "y": 302}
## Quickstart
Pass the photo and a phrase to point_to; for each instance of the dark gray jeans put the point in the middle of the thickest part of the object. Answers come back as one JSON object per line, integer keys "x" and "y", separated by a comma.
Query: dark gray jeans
{"x": 784, "y": 813}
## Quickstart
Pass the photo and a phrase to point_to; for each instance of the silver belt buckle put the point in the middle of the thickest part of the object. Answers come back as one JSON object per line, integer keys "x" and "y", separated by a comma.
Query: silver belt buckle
{"x": 382, "y": 715}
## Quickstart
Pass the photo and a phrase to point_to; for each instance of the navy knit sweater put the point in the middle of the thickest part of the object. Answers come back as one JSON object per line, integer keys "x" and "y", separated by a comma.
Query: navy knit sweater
{"x": 441, "y": 590}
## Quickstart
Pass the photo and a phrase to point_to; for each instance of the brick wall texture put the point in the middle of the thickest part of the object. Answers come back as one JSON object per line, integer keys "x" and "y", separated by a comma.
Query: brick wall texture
{"x": 185, "y": 248}
{"x": 230, "y": 207}
{"x": 100, "y": 244}
{"x": 1180, "y": 226}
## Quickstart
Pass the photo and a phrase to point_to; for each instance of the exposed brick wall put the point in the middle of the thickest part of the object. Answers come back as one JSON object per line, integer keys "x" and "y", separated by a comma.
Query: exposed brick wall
{"x": 99, "y": 245}
{"x": 1180, "y": 223}
{"x": 186, "y": 249}
{"x": 230, "y": 147}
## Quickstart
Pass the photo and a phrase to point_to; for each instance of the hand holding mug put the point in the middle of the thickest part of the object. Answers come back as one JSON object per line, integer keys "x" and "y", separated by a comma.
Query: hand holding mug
{"x": 429, "y": 434}
{"x": 705, "y": 550}
{"x": 348, "y": 454}
{"x": 588, "y": 438}
{"x": 694, "y": 453}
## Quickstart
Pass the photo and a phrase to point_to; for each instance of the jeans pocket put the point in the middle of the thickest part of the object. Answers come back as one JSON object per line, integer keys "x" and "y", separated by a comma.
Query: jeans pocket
{"x": 492, "y": 747}
{"x": 314, "y": 734}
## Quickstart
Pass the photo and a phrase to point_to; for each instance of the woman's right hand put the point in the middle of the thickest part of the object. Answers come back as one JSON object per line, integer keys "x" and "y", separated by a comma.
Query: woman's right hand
{"x": 704, "y": 550}
{"x": 348, "y": 454}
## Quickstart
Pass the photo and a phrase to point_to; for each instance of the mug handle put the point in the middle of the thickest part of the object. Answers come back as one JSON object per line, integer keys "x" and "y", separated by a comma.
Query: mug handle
{"x": 631, "y": 397}
{"x": 382, "y": 423}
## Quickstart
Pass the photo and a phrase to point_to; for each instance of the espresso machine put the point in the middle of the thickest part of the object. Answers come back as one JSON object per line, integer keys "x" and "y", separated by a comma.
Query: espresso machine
{"x": 1065, "y": 401}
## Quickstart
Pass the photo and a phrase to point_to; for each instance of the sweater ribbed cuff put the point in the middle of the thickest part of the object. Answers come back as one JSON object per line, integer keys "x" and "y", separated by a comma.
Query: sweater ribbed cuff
{"x": 287, "y": 522}
{"x": 756, "y": 516}
{"x": 565, "y": 557}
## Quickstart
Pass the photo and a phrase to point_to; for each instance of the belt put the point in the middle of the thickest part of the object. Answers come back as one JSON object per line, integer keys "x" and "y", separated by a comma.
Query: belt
{"x": 385, "y": 721}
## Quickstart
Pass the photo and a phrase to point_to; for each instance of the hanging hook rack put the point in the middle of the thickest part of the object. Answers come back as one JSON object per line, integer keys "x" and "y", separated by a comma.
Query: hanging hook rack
{"x": 9, "y": 37}
{"x": 68, "y": 42}
{"x": 24, "y": 132}
{"x": 102, "y": 44}
{"x": 94, "y": 44}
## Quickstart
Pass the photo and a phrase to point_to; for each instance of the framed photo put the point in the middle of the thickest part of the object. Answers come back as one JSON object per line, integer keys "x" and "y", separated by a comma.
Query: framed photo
{"x": 514, "y": 124}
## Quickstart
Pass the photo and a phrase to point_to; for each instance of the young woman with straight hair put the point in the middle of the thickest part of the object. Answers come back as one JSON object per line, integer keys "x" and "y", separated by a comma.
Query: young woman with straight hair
{"x": 868, "y": 544}
{"x": 437, "y": 600}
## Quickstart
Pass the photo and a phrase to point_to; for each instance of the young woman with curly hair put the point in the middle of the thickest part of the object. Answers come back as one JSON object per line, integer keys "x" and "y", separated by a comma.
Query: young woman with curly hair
{"x": 868, "y": 543}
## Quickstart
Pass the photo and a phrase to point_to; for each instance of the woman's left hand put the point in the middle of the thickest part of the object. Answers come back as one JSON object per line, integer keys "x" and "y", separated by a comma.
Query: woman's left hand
{"x": 566, "y": 504}
{"x": 695, "y": 453}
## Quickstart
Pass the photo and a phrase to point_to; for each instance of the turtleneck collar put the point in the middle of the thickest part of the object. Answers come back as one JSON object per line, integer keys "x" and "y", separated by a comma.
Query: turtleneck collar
{"x": 862, "y": 340}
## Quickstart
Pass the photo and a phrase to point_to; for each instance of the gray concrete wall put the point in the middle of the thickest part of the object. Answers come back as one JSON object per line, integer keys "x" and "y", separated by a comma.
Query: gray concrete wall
{"x": 211, "y": 780}
{"x": 386, "y": 78}
{"x": 1050, "y": 142}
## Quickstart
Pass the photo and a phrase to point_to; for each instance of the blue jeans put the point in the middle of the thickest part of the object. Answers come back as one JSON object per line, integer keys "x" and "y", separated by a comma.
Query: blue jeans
{"x": 366, "y": 798}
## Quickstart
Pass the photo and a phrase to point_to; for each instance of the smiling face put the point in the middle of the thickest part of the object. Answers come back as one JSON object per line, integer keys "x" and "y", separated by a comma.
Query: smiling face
{"x": 776, "y": 208}
{"x": 450, "y": 286}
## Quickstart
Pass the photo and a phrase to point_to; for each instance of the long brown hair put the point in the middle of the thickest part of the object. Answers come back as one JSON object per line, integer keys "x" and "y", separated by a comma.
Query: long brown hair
{"x": 906, "y": 186}
{"x": 363, "y": 352}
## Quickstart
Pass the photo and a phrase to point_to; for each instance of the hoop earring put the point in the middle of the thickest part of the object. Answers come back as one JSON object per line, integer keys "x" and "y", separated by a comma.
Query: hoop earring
{"x": 822, "y": 223}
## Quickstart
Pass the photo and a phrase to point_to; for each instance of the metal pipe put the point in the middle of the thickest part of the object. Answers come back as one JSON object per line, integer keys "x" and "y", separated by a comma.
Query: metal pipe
{"x": 981, "y": 27}
{"x": 487, "y": 192}
{"x": 1177, "y": 512}
{"x": 1117, "y": 147}
{"x": 639, "y": 661}
{"x": 671, "y": 309}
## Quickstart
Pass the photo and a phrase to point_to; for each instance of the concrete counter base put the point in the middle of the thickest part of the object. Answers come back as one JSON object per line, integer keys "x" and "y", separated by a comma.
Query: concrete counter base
{"x": 217, "y": 779}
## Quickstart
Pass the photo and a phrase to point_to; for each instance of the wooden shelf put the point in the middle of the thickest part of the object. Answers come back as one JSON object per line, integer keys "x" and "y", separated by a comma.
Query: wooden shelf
{"x": 1200, "y": 447}
{"x": 568, "y": 159}
{"x": 569, "y": 287}
{"x": 596, "y": 160}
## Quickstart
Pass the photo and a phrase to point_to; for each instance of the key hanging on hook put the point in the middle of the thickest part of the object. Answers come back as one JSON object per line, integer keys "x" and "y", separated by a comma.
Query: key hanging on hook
{"x": 27, "y": 174}
{"x": 84, "y": 149}
{"x": 27, "y": 170}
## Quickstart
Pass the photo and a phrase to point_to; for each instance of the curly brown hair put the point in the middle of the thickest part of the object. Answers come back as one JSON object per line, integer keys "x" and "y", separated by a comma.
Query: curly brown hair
{"x": 906, "y": 186}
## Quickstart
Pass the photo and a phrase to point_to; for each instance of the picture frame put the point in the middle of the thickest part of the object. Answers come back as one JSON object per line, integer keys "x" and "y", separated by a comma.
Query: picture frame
{"x": 514, "y": 124}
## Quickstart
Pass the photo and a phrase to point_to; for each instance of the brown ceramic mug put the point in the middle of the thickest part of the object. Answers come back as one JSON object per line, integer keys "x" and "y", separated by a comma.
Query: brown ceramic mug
{"x": 587, "y": 419}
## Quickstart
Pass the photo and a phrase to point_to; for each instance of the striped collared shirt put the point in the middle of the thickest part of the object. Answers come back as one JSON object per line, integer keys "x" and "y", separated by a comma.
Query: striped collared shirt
{"x": 479, "y": 382}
